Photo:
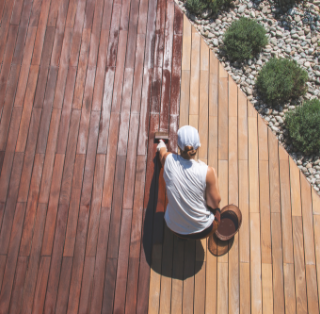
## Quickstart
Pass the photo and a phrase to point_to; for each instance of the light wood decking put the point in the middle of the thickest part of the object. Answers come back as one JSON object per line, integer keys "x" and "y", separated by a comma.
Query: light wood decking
{"x": 273, "y": 265}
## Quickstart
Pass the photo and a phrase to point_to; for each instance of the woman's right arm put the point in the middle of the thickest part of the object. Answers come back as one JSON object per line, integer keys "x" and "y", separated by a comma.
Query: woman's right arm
{"x": 212, "y": 189}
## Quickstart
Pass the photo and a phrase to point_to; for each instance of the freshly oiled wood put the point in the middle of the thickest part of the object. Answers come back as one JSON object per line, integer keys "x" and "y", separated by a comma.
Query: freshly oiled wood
{"x": 254, "y": 164}
{"x": 89, "y": 11}
{"x": 79, "y": 254}
{"x": 96, "y": 32}
{"x": 41, "y": 86}
{"x": 9, "y": 155}
{"x": 34, "y": 259}
{"x": 87, "y": 280}
{"x": 8, "y": 104}
{"x": 12, "y": 36}
{"x": 17, "y": 290}
{"x": 31, "y": 206}
{"x": 315, "y": 202}
{"x": 110, "y": 161}
{"x": 244, "y": 205}
{"x": 195, "y": 74}
{"x": 136, "y": 233}
{"x": 74, "y": 205}
{"x": 71, "y": 13}
{"x": 56, "y": 258}
{"x": 66, "y": 112}
{"x": 267, "y": 288}
{"x": 60, "y": 87}
{"x": 160, "y": 210}
{"x": 88, "y": 124}
{"x": 166, "y": 271}
{"x": 188, "y": 275}
{"x": 265, "y": 212}
{"x": 49, "y": 231}
{"x": 95, "y": 206}
{"x": 47, "y": 46}
{"x": 5, "y": 26}
{"x": 274, "y": 172}
{"x": 114, "y": 235}
{"x": 64, "y": 285}
{"x": 27, "y": 108}
{"x": 263, "y": 139}
{"x": 286, "y": 211}
{"x": 105, "y": 118}
{"x": 122, "y": 271}
{"x": 277, "y": 261}
{"x": 244, "y": 288}
{"x": 299, "y": 266}
{"x": 29, "y": 155}
{"x": 155, "y": 276}
{"x": 82, "y": 70}
{"x": 131, "y": 162}
{"x": 306, "y": 205}
{"x": 313, "y": 302}
{"x": 179, "y": 302}
{"x": 78, "y": 33}
{"x": 12, "y": 257}
{"x": 101, "y": 70}
{"x": 99, "y": 271}
{"x": 317, "y": 246}
{"x": 53, "y": 14}
{"x": 289, "y": 281}
{"x": 9, "y": 211}
{"x": 255, "y": 263}
{"x": 41, "y": 285}
{"x": 41, "y": 32}
{"x": 47, "y": 111}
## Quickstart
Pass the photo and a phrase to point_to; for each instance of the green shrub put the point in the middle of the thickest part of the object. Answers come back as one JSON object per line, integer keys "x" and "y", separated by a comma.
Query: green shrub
{"x": 303, "y": 125}
{"x": 243, "y": 39}
{"x": 197, "y": 7}
{"x": 281, "y": 80}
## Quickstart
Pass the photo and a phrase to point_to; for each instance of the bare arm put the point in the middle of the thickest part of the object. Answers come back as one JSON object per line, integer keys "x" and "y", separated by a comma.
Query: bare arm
{"x": 212, "y": 190}
{"x": 163, "y": 155}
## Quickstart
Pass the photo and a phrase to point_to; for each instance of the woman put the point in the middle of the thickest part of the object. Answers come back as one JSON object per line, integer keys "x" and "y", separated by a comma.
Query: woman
{"x": 192, "y": 189}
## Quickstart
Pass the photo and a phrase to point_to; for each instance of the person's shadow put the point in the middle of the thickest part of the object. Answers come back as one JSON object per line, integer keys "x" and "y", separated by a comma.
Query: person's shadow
{"x": 166, "y": 253}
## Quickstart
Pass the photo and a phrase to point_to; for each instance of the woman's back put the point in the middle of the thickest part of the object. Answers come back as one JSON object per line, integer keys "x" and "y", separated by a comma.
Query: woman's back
{"x": 187, "y": 211}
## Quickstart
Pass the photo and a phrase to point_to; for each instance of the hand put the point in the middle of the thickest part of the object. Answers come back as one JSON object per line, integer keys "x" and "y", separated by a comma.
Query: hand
{"x": 161, "y": 145}
{"x": 217, "y": 216}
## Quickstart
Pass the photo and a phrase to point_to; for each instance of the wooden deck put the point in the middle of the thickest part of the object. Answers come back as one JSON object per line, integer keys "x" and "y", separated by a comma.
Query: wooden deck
{"x": 273, "y": 265}
{"x": 84, "y": 84}
{"x": 79, "y": 82}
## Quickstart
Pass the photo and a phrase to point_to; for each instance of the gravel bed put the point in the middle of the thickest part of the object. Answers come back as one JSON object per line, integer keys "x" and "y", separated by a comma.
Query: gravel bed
{"x": 293, "y": 32}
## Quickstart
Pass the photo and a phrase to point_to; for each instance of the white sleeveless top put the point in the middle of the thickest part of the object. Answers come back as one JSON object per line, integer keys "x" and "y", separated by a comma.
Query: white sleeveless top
{"x": 187, "y": 211}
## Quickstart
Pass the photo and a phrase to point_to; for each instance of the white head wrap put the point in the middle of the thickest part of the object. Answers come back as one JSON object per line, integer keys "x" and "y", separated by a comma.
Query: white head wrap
{"x": 188, "y": 136}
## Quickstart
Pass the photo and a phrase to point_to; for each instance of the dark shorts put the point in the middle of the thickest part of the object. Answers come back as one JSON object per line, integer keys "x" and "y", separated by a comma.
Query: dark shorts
{"x": 195, "y": 236}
